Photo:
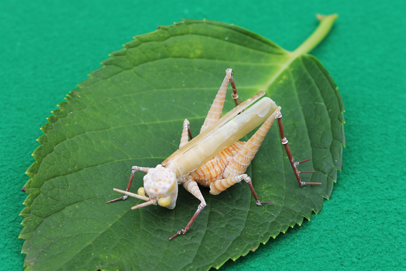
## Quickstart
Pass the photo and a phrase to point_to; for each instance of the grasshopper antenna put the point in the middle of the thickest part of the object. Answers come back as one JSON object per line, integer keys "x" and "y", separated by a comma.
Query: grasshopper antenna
{"x": 131, "y": 194}
{"x": 151, "y": 202}
{"x": 148, "y": 200}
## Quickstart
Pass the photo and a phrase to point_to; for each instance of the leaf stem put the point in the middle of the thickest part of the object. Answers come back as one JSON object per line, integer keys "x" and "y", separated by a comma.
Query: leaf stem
{"x": 326, "y": 22}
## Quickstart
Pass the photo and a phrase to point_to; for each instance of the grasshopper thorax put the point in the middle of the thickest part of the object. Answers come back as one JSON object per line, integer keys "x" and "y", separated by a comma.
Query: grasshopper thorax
{"x": 161, "y": 185}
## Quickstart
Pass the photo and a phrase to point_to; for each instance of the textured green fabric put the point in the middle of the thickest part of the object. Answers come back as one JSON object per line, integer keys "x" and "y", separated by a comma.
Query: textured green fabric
{"x": 47, "y": 47}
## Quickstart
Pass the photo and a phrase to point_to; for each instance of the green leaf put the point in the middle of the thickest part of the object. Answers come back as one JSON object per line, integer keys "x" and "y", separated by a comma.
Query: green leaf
{"x": 130, "y": 112}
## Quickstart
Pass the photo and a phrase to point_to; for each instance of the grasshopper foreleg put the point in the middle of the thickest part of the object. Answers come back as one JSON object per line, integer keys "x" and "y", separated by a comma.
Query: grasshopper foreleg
{"x": 192, "y": 187}
{"x": 134, "y": 169}
{"x": 289, "y": 153}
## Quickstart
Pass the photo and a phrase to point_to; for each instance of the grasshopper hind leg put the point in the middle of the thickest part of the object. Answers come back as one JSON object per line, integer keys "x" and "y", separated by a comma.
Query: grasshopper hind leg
{"x": 291, "y": 159}
{"x": 216, "y": 108}
{"x": 220, "y": 185}
{"x": 186, "y": 134}
{"x": 234, "y": 172}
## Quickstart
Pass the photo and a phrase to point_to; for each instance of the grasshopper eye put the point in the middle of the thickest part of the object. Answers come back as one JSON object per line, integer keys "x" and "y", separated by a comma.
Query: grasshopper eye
{"x": 141, "y": 191}
{"x": 164, "y": 202}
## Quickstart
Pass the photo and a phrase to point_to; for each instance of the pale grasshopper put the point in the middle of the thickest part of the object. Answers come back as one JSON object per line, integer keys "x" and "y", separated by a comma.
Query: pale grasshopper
{"x": 193, "y": 162}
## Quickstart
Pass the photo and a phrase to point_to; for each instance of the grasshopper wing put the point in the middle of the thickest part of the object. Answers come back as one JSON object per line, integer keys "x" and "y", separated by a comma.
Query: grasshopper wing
{"x": 226, "y": 131}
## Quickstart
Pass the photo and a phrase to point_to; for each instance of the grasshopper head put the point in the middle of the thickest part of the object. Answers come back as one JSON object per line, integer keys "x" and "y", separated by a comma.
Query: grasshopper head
{"x": 161, "y": 185}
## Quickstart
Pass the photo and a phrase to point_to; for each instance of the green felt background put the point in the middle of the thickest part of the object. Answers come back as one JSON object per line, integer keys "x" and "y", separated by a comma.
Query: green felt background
{"x": 47, "y": 47}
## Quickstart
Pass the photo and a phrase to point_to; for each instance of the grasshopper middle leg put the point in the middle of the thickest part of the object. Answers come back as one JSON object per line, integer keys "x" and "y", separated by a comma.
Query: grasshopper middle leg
{"x": 192, "y": 187}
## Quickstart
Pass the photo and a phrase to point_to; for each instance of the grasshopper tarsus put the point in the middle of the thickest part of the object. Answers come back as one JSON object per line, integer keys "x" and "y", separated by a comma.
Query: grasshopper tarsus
{"x": 177, "y": 234}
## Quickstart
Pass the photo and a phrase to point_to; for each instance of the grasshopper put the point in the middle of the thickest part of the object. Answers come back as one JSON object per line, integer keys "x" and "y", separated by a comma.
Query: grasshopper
{"x": 193, "y": 162}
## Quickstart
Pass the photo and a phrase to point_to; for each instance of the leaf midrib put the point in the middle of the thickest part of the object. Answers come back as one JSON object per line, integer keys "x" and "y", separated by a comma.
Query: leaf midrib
{"x": 292, "y": 57}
